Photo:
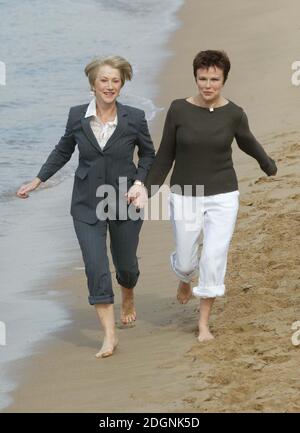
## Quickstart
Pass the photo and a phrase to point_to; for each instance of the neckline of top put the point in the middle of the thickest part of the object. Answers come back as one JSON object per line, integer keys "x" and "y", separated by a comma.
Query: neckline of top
{"x": 207, "y": 108}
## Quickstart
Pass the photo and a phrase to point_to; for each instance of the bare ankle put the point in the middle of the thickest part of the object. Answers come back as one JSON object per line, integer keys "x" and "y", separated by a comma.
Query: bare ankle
{"x": 127, "y": 293}
{"x": 109, "y": 334}
{"x": 203, "y": 327}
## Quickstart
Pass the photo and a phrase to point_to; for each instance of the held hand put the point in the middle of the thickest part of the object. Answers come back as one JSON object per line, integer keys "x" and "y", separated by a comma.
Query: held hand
{"x": 141, "y": 200}
{"x": 133, "y": 193}
{"x": 137, "y": 194}
{"x": 28, "y": 187}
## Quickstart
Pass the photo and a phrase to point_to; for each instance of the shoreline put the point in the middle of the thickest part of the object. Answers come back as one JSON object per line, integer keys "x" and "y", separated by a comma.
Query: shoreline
{"x": 162, "y": 367}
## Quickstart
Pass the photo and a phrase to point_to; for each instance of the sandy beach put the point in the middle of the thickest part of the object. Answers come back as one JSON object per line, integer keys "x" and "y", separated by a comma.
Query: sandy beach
{"x": 252, "y": 365}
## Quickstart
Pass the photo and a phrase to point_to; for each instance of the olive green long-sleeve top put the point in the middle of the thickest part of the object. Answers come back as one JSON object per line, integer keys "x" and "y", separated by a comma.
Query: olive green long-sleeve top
{"x": 199, "y": 141}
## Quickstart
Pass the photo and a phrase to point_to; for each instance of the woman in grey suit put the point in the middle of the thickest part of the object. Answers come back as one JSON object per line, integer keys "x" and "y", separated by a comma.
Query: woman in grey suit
{"x": 106, "y": 133}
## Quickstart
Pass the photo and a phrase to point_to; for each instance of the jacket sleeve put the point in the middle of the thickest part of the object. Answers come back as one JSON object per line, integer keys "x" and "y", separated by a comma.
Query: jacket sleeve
{"x": 165, "y": 156}
{"x": 248, "y": 144}
{"x": 60, "y": 155}
{"x": 146, "y": 151}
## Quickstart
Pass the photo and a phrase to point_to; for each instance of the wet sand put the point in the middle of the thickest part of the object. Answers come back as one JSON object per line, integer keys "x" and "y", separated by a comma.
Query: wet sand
{"x": 252, "y": 365}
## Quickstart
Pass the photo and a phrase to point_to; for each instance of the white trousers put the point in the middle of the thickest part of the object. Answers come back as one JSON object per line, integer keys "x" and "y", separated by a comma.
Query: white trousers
{"x": 214, "y": 217}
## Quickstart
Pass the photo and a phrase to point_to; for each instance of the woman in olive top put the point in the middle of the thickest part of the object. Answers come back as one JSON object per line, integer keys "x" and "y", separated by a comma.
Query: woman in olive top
{"x": 197, "y": 135}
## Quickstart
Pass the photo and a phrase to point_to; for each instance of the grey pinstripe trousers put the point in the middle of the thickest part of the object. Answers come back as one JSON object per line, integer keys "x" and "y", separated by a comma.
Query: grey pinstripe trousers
{"x": 124, "y": 238}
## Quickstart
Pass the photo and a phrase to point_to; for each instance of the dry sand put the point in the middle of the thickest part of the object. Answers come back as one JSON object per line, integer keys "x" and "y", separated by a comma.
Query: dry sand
{"x": 252, "y": 364}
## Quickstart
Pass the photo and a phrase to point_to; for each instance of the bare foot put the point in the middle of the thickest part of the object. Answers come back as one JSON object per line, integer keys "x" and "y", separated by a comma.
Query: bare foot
{"x": 184, "y": 292}
{"x": 128, "y": 313}
{"x": 204, "y": 334}
{"x": 108, "y": 347}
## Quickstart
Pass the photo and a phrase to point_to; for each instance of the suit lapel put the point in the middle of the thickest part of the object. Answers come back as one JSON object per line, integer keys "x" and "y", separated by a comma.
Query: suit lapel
{"x": 85, "y": 122}
{"x": 118, "y": 132}
{"x": 121, "y": 127}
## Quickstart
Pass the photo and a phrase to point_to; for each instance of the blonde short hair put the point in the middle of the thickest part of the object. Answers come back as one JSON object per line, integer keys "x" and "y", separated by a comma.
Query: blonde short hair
{"x": 117, "y": 62}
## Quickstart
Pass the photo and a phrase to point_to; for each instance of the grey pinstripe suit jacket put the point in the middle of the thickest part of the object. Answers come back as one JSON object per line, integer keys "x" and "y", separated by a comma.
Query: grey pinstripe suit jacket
{"x": 99, "y": 167}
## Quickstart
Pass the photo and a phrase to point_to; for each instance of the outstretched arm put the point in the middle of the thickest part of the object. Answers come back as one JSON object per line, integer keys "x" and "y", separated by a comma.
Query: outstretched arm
{"x": 59, "y": 156}
{"x": 248, "y": 144}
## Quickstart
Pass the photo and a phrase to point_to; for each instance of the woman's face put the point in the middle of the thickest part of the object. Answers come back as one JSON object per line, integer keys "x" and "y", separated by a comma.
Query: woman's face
{"x": 107, "y": 84}
{"x": 210, "y": 83}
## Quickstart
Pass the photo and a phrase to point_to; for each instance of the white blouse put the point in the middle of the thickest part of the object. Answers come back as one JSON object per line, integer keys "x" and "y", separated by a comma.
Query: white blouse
{"x": 102, "y": 131}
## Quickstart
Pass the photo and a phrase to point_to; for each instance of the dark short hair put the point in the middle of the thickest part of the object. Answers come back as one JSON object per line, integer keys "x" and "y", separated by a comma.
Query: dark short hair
{"x": 205, "y": 59}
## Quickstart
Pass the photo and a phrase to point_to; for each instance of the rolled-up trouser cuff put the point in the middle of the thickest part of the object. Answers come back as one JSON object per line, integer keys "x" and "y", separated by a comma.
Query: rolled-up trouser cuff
{"x": 101, "y": 300}
{"x": 127, "y": 279}
{"x": 209, "y": 291}
{"x": 185, "y": 277}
